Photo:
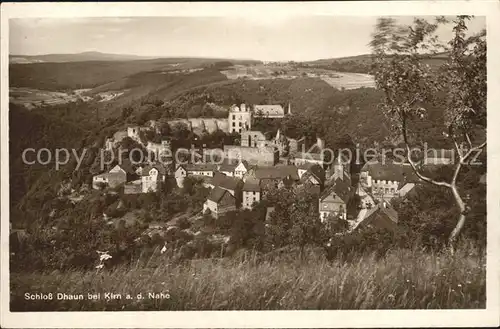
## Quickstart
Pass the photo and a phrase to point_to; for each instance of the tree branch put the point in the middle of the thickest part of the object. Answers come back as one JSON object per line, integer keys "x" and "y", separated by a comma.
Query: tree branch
{"x": 412, "y": 164}
{"x": 468, "y": 139}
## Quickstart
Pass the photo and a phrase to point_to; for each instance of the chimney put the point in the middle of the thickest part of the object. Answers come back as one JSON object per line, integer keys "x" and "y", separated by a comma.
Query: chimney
{"x": 289, "y": 108}
{"x": 243, "y": 107}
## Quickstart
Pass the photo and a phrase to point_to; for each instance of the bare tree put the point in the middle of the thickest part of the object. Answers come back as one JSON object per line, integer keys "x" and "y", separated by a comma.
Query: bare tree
{"x": 401, "y": 66}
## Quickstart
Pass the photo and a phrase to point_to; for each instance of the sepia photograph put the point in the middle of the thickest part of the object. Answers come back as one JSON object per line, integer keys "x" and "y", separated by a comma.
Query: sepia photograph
{"x": 247, "y": 161}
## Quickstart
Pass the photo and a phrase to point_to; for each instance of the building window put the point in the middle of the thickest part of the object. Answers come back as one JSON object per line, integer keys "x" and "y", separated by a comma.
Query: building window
{"x": 239, "y": 124}
{"x": 234, "y": 117}
{"x": 234, "y": 124}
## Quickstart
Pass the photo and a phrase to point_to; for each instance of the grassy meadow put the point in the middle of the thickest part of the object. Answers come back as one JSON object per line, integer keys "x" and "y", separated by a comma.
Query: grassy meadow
{"x": 403, "y": 279}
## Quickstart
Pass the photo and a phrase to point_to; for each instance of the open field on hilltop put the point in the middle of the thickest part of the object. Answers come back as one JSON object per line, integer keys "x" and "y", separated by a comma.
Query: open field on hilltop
{"x": 403, "y": 279}
{"x": 335, "y": 79}
{"x": 31, "y": 98}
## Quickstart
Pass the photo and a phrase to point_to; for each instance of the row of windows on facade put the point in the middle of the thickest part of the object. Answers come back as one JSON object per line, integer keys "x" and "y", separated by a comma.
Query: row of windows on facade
{"x": 384, "y": 190}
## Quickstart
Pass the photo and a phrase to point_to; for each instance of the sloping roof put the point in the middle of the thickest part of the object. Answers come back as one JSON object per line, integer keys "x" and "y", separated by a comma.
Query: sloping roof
{"x": 390, "y": 171}
{"x": 317, "y": 172}
{"x": 270, "y": 110}
{"x": 126, "y": 165}
{"x": 386, "y": 209}
{"x": 217, "y": 194}
{"x": 160, "y": 168}
{"x": 226, "y": 182}
{"x": 251, "y": 186}
{"x": 245, "y": 164}
{"x": 200, "y": 167}
{"x": 277, "y": 172}
{"x": 228, "y": 165}
{"x": 341, "y": 188}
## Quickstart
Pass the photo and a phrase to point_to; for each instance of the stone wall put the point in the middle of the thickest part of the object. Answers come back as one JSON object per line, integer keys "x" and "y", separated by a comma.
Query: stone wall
{"x": 210, "y": 124}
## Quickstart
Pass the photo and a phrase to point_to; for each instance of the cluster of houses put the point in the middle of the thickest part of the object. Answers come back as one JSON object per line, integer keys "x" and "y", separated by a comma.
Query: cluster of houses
{"x": 244, "y": 173}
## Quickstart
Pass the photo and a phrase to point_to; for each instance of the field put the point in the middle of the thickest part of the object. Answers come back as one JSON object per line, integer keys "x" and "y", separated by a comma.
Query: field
{"x": 31, "y": 98}
{"x": 403, "y": 279}
{"x": 335, "y": 79}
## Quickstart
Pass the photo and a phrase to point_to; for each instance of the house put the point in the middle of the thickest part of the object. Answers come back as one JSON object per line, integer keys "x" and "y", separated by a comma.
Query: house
{"x": 273, "y": 176}
{"x": 118, "y": 175}
{"x": 180, "y": 174}
{"x": 227, "y": 167}
{"x": 133, "y": 132}
{"x": 341, "y": 168}
{"x": 365, "y": 198}
{"x": 335, "y": 200}
{"x": 251, "y": 193}
{"x": 314, "y": 176}
{"x": 219, "y": 201}
{"x": 387, "y": 180}
{"x": 269, "y": 111}
{"x": 252, "y": 138}
{"x": 382, "y": 216}
{"x": 230, "y": 184}
{"x": 241, "y": 169}
{"x": 240, "y": 118}
{"x": 152, "y": 176}
{"x": 200, "y": 169}
{"x": 439, "y": 157}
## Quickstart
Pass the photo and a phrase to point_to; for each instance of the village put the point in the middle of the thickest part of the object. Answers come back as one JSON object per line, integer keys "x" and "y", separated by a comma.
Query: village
{"x": 239, "y": 176}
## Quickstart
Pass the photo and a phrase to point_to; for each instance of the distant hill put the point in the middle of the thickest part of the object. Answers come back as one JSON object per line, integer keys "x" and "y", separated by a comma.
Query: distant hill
{"x": 362, "y": 63}
{"x": 90, "y": 74}
{"x": 328, "y": 61}
{"x": 79, "y": 57}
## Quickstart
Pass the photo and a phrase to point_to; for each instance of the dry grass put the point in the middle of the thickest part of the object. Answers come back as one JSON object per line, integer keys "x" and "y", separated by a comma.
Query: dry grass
{"x": 401, "y": 280}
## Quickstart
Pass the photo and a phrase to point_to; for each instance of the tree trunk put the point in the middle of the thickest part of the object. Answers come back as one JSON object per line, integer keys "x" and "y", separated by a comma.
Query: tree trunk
{"x": 461, "y": 219}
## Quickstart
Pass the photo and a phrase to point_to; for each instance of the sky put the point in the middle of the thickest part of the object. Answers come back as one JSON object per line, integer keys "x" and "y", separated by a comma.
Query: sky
{"x": 266, "y": 38}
